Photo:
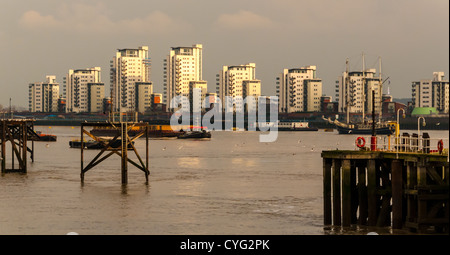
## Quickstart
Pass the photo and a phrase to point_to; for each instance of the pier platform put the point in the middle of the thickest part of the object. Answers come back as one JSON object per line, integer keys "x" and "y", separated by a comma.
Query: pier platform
{"x": 386, "y": 188}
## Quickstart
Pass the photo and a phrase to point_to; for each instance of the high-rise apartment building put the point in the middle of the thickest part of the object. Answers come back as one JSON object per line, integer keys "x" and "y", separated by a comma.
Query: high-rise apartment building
{"x": 182, "y": 66}
{"x": 299, "y": 90}
{"x": 95, "y": 96}
{"x": 238, "y": 81}
{"x": 432, "y": 93}
{"x": 128, "y": 67}
{"x": 251, "y": 88}
{"x": 355, "y": 92}
{"x": 84, "y": 91}
{"x": 144, "y": 91}
{"x": 43, "y": 96}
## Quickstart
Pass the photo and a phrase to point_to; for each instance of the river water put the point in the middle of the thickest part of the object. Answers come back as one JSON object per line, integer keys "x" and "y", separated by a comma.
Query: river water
{"x": 231, "y": 184}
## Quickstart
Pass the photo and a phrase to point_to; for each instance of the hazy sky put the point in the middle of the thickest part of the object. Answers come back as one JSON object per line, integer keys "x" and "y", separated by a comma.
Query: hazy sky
{"x": 49, "y": 37}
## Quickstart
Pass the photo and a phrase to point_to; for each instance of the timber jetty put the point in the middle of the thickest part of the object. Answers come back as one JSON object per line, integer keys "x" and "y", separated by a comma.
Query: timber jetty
{"x": 404, "y": 185}
{"x": 15, "y": 134}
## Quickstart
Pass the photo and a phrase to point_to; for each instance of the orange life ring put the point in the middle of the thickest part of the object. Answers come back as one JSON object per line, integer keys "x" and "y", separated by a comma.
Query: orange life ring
{"x": 440, "y": 146}
{"x": 360, "y": 142}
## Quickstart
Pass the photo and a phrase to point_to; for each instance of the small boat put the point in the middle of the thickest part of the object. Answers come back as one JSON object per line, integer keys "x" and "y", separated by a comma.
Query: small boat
{"x": 195, "y": 134}
{"x": 96, "y": 145}
{"x": 46, "y": 137}
{"x": 77, "y": 143}
{"x": 328, "y": 130}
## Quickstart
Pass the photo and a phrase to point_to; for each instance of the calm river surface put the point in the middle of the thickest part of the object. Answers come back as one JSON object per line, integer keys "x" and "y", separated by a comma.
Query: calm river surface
{"x": 232, "y": 184}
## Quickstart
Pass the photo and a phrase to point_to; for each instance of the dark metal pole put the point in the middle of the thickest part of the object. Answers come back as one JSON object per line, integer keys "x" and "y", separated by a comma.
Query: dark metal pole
{"x": 373, "y": 113}
{"x": 82, "y": 153}
{"x": 124, "y": 152}
{"x": 373, "y": 140}
{"x": 3, "y": 146}
{"x": 146, "y": 154}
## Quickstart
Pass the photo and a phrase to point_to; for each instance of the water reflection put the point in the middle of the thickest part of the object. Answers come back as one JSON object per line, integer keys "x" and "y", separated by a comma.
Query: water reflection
{"x": 195, "y": 187}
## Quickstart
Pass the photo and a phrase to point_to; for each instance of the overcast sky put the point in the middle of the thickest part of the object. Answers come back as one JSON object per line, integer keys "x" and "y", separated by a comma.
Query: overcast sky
{"x": 49, "y": 37}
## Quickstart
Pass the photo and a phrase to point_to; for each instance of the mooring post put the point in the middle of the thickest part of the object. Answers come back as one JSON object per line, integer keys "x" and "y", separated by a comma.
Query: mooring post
{"x": 11, "y": 138}
{"x": 32, "y": 143}
{"x": 327, "y": 191}
{"x": 397, "y": 193}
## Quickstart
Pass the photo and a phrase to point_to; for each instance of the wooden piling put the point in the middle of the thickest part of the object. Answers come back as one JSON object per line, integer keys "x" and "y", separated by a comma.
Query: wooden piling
{"x": 362, "y": 193}
{"x": 122, "y": 132}
{"x": 372, "y": 197}
{"x": 124, "y": 155}
{"x": 346, "y": 193}
{"x": 3, "y": 140}
{"x": 327, "y": 164}
{"x": 336, "y": 175}
{"x": 397, "y": 193}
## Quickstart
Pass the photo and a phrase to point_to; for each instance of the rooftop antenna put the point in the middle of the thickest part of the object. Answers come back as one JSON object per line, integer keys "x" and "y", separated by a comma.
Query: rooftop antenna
{"x": 10, "y": 109}
{"x": 363, "y": 88}
{"x": 381, "y": 88}
{"x": 348, "y": 93}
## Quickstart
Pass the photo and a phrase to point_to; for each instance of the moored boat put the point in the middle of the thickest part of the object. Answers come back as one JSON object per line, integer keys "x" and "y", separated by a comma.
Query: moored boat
{"x": 381, "y": 128}
{"x": 195, "y": 134}
{"x": 154, "y": 131}
{"x": 91, "y": 144}
{"x": 46, "y": 137}
{"x": 289, "y": 126}
{"x": 295, "y": 126}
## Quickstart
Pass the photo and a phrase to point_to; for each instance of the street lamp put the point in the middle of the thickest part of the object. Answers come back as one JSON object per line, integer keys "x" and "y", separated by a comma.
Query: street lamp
{"x": 397, "y": 129}
{"x": 418, "y": 125}
{"x": 418, "y": 129}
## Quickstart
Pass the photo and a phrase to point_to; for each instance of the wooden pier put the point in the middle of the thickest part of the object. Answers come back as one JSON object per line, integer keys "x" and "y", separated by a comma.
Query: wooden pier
{"x": 377, "y": 188}
{"x": 383, "y": 188}
{"x": 122, "y": 134}
{"x": 17, "y": 133}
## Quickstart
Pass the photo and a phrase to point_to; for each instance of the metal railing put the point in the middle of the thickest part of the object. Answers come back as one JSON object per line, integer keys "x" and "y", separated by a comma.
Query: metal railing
{"x": 406, "y": 143}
